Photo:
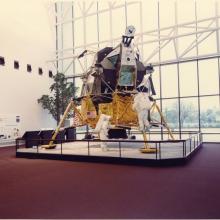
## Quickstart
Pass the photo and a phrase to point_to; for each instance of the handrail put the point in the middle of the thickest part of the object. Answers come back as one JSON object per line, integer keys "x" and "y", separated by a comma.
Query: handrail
{"x": 112, "y": 140}
{"x": 186, "y": 146}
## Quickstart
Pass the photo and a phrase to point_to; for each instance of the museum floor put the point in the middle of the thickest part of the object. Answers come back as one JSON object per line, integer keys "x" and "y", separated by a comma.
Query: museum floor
{"x": 61, "y": 189}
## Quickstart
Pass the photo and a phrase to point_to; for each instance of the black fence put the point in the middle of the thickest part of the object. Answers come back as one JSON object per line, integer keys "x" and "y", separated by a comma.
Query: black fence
{"x": 164, "y": 149}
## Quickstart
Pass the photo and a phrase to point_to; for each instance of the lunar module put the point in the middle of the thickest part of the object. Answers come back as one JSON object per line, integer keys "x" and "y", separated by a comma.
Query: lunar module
{"x": 117, "y": 94}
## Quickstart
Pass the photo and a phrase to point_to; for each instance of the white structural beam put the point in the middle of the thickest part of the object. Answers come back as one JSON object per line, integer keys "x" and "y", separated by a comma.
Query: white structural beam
{"x": 217, "y": 26}
{"x": 158, "y": 38}
{"x": 176, "y": 41}
{"x": 186, "y": 59}
{"x": 155, "y": 32}
{"x": 94, "y": 13}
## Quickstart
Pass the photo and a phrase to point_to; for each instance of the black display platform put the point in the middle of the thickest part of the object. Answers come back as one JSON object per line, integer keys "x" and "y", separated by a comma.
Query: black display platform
{"x": 109, "y": 159}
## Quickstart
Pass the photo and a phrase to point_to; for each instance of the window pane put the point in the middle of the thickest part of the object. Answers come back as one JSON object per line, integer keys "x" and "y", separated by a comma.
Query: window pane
{"x": 67, "y": 10}
{"x": 91, "y": 6}
{"x": 149, "y": 54}
{"x": 103, "y": 5}
{"x": 169, "y": 81}
{"x": 104, "y": 29}
{"x": 188, "y": 79}
{"x": 79, "y": 34}
{"x": 189, "y": 114}
{"x": 205, "y": 9}
{"x": 208, "y": 77}
{"x": 167, "y": 13}
{"x": 78, "y": 83}
{"x": 134, "y": 19}
{"x": 67, "y": 35}
{"x": 210, "y": 118}
{"x": 186, "y": 7}
{"x": 77, "y": 9}
{"x": 208, "y": 46}
{"x": 210, "y": 113}
{"x": 171, "y": 112}
{"x": 118, "y": 28}
{"x": 168, "y": 52}
{"x": 185, "y": 43}
{"x": 149, "y": 13}
{"x": 67, "y": 67}
{"x": 91, "y": 29}
{"x": 79, "y": 63}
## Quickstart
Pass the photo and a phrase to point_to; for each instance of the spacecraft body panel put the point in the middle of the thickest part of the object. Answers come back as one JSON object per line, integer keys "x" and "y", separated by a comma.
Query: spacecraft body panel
{"x": 127, "y": 56}
{"x": 123, "y": 113}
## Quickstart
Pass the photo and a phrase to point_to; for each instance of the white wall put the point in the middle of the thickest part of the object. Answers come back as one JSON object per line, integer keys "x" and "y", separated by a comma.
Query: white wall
{"x": 26, "y": 36}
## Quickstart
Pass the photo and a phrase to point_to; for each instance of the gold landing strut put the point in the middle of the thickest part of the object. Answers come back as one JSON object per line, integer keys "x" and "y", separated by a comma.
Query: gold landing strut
{"x": 147, "y": 148}
{"x": 70, "y": 106}
{"x": 155, "y": 106}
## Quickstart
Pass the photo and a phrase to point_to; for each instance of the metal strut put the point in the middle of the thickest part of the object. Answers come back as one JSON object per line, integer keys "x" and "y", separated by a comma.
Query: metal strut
{"x": 70, "y": 106}
{"x": 147, "y": 148}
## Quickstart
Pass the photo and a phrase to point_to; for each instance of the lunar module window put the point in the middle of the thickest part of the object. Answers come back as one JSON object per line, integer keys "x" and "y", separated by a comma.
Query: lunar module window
{"x": 126, "y": 77}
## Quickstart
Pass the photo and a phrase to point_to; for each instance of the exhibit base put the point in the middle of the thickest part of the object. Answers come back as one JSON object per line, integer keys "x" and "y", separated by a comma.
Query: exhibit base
{"x": 115, "y": 151}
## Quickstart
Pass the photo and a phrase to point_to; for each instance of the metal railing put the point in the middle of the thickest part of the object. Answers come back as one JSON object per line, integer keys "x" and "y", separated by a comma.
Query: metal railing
{"x": 120, "y": 148}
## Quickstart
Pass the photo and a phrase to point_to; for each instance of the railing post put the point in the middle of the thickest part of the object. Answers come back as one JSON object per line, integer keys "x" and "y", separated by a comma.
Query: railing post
{"x": 183, "y": 148}
{"x": 88, "y": 148}
{"x": 119, "y": 148}
{"x": 61, "y": 147}
{"x": 201, "y": 137}
{"x": 159, "y": 150}
{"x": 190, "y": 143}
{"x": 16, "y": 145}
{"x": 194, "y": 142}
{"x": 156, "y": 150}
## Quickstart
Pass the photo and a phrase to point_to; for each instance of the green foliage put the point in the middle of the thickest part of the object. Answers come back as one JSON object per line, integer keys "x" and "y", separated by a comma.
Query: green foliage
{"x": 189, "y": 116}
{"x": 210, "y": 118}
{"x": 61, "y": 93}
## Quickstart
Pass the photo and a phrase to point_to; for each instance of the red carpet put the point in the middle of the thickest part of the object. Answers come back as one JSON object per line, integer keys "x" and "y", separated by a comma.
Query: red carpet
{"x": 58, "y": 189}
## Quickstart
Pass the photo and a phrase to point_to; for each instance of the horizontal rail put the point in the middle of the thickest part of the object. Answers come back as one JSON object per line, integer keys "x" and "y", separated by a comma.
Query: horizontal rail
{"x": 109, "y": 140}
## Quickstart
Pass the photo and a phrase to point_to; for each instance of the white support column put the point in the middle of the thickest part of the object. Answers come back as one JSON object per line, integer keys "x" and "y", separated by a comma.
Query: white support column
{"x": 217, "y": 26}
{"x": 159, "y": 54}
{"x": 141, "y": 28}
{"x": 197, "y": 62}
{"x": 61, "y": 30}
{"x": 73, "y": 39}
{"x": 84, "y": 31}
{"x": 217, "y": 42}
{"x": 176, "y": 41}
{"x": 97, "y": 19}
{"x": 56, "y": 30}
{"x": 196, "y": 31}
{"x": 111, "y": 6}
{"x": 126, "y": 15}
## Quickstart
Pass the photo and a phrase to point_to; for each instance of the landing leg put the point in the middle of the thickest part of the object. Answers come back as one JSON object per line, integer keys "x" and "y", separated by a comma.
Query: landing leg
{"x": 147, "y": 148}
